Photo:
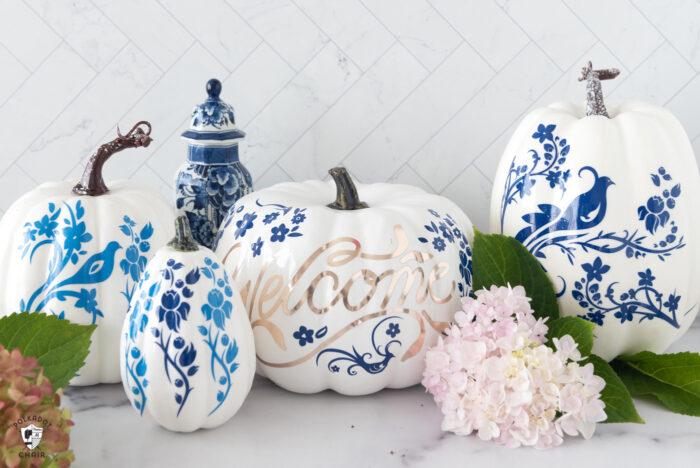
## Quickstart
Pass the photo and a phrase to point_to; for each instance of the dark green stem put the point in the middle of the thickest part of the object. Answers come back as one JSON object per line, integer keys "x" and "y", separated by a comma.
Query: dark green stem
{"x": 183, "y": 240}
{"x": 346, "y": 193}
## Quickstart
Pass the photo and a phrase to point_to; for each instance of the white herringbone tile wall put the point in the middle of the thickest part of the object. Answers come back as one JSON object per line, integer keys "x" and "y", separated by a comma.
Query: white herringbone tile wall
{"x": 425, "y": 92}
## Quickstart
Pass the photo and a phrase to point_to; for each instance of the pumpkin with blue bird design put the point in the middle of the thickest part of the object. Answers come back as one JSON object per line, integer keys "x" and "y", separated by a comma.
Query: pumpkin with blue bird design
{"x": 606, "y": 198}
{"x": 77, "y": 251}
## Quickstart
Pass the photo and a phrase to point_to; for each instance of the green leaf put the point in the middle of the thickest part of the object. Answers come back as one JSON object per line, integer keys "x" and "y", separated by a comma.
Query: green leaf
{"x": 502, "y": 260}
{"x": 580, "y": 330}
{"x": 59, "y": 345}
{"x": 619, "y": 406}
{"x": 674, "y": 379}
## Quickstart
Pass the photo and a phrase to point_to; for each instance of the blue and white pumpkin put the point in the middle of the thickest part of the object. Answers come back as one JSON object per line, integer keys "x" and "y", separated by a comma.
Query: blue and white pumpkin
{"x": 347, "y": 295}
{"x": 608, "y": 205}
{"x": 79, "y": 253}
{"x": 187, "y": 352}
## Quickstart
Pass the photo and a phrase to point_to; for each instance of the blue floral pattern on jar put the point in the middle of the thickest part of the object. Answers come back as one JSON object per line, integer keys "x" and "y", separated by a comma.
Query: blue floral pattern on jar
{"x": 205, "y": 193}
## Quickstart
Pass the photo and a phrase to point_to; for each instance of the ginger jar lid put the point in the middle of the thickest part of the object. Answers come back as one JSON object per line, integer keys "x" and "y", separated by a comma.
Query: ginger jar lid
{"x": 212, "y": 121}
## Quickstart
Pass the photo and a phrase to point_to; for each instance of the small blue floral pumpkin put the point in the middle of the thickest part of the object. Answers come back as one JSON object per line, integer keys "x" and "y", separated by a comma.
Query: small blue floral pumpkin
{"x": 187, "y": 352}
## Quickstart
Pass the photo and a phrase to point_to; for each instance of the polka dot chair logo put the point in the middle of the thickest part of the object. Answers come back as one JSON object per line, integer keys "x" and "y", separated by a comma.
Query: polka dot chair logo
{"x": 31, "y": 435}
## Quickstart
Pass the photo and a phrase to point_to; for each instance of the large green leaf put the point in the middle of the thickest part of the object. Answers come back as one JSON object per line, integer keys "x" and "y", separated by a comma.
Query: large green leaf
{"x": 59, "y": 345}
{"x": 501, "y": 260}
{"x": 580, "y": 330}
{"x": 619, "y": 406}
{"x": 674, "y": 379}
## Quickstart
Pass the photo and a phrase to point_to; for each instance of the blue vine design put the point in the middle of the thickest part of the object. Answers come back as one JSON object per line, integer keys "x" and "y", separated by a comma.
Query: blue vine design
{"x": 216, "y": 311}
{"x": 136, "y": 365}
{"x": 522, "y": 178}
{"x": 444, "y": 233}
{"x": 280, "y": 221}
{"x": 364, "y": 360}
{"x": 644, "y": 300}
{"x": 134, "y": 263}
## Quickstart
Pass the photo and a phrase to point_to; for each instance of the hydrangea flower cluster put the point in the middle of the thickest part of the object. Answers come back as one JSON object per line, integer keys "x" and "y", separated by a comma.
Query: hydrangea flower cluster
{"x": 26, "y": 392}
{"x": 492, "y": 374}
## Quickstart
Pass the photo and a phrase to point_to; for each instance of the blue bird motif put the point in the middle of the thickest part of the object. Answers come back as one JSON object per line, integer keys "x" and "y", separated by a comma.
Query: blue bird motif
{"x": 585, "y": 211}
{"x": 96, "y": 269}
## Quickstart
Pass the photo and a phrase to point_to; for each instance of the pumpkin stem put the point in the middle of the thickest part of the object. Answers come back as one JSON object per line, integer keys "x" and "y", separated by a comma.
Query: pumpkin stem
{"x": 594, "y": 91}
{"x": 346, "y": 196}
{"x": 91, "y": 183}
{"x": 183, "y": 240}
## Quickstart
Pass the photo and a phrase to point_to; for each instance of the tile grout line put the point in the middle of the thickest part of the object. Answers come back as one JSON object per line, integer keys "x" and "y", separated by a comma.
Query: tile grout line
{"x": 438, "y": 12}
{"x": 381, "y": 122}
{"x": 155, "y": 63}
{"x": 666, "y": 39}
{"x": 146, "y": 91}
{"x": 182, "y": 25}
{"x": 41, "y": 64}
{"x": 352, "y": 86}
{"x": 65, "y": 108}
{"x": 505, "y": 12}
{"x": 245, "y": 20}
{"x": 61, "y": 36}
{"x": 398, "y": 39}
{"x": 12, "y": 54}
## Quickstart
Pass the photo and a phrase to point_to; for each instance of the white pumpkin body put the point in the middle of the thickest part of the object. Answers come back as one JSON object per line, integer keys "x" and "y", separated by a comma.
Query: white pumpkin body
{"x": 187, "y": 351}
{"x": 347, "y": 300}
{"x": 609, "y": 206}
{"x": 80, "y": 257}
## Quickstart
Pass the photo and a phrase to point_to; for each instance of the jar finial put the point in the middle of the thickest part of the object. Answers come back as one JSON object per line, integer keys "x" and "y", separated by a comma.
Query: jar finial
{"x": 213, "y": 88}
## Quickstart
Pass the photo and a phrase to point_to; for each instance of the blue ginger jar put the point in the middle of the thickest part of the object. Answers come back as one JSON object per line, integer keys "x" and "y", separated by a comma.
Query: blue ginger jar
{"x": 212, "y": 179}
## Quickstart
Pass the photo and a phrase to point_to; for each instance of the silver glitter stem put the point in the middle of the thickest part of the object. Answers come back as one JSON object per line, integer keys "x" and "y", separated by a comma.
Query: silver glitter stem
{"x": 594, "y": 92}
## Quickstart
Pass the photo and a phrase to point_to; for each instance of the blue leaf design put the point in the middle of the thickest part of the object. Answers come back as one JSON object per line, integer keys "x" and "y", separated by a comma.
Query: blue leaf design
{"x": 193, "y": 276}
{"x": 232, "y": 352}
{"x": 220, "y": 396}
{"x": 125, "y": 229}
{"x": 676, "y": 190}
{"x": 233, "y": 368}
{"x": 141, "y": 368}
{"x": 52, "y": 207}
{"x": 203, "y": 330}
{"x": 321, "y": 332}
{"x": 206, "y": 272}
{"x": 192, "y": 370}
{"x": 146, "y": 232}
{"x": 79, "y": 210}
{"x": 655, "y": 179}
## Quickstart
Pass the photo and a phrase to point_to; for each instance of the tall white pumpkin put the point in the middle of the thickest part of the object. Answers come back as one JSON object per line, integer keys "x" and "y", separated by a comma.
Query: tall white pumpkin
{"x": 187, "y": 352}
{"x": 608, "y": 205}
{"x": 77, "y": 251}
{"x": 346, "y": 295}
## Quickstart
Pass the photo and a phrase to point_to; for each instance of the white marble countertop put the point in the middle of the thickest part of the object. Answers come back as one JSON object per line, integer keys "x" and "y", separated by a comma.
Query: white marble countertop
{"x": 276, "y": 428}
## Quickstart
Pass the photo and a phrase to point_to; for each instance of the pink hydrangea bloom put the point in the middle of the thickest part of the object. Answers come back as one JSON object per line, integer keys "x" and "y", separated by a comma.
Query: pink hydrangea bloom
{"x": 493, "y": 375}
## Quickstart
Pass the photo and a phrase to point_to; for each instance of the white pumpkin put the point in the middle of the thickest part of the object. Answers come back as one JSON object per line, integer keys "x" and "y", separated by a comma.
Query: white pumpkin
{"x": 346, "y": 296}
{"x": 609, "y": 207}
{"x": 187, "y": 352}
{"x": 80, "y": 255}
